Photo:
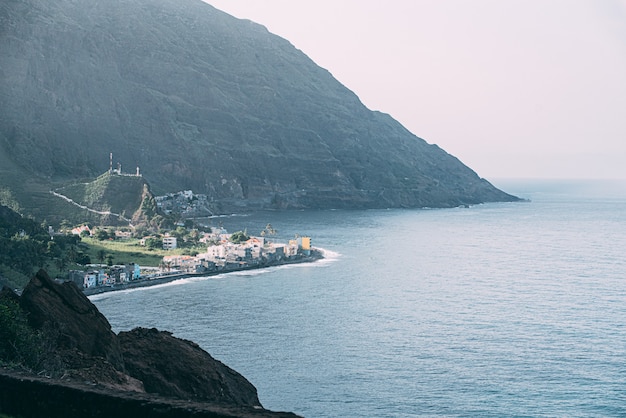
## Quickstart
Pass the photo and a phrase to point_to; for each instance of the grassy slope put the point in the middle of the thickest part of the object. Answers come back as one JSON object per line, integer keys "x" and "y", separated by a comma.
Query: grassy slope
{"x": 129, "y": 251}
{"x": 124, "y": 252}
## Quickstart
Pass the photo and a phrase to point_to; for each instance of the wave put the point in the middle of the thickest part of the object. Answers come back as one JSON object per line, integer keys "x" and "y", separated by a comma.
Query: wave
{"x": 329, "y": 256}
{"x": 177, "y": 282}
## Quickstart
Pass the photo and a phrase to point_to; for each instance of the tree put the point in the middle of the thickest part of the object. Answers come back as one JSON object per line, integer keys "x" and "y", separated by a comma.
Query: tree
{"x": 101, "y": 235}
{"x": 194, "y": 237}
{"x": 82, "y": 258}
{"x": 239, "y": 237}
{"x": 65, "y": 225}
{"x": 19, "y": 343}
{"x": 109, "y": 260}
{"x": 154, "y": 243}
{"x": 72, "y": 254}
{"x": 101, "y": 256}
{"x": 53, "y": 249}
{"x": 61, "y": 263}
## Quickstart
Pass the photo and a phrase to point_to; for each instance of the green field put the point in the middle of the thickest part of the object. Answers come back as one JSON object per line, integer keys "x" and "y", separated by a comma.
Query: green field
{"x": 130, "y": 251}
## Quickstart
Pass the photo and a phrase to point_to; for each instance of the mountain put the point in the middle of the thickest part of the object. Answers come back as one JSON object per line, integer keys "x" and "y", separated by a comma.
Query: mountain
{"x": 200, "y": 100}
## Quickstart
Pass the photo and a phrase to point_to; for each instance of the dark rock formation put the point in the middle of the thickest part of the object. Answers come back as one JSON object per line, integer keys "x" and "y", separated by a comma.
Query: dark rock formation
{"x": 24, "y": 395}
{"x": 92, "y": 369}
{"x": 79, "y": 324}
{"x": 179, "y": 368}
{"x": 203, "y": 101}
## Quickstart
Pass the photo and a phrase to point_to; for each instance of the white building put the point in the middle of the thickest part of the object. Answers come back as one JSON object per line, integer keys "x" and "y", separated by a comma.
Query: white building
{"x": 169, "y": 243}
{"x": 215, "y": 252}
{"x": 91, "y": 279}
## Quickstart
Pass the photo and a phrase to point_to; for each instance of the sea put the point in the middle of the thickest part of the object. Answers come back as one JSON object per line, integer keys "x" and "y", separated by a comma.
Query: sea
{"x": 496, "y": 310}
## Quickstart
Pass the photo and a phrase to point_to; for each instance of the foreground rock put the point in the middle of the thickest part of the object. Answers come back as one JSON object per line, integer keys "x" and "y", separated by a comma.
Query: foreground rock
{"x": 179, "y": 368}
{"x": 82, "y": 368}
{"x": 79, "y": 326}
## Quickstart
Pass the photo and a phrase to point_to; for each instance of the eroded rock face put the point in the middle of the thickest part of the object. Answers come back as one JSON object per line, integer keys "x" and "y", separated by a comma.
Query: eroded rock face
{"x": 77, "y": 322}
{"x": 179, "y": 368}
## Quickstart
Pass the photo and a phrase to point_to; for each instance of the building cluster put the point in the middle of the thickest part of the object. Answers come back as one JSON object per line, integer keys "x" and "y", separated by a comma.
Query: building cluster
{"x": 101, "y": 277}
{"x": 186, "y": 203}
{"x": 224, "y": 255}
{"x": 221, "y": 255}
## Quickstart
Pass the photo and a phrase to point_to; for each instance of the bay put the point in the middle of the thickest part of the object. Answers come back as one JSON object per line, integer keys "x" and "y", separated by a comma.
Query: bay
{"x": 512, "y": 309}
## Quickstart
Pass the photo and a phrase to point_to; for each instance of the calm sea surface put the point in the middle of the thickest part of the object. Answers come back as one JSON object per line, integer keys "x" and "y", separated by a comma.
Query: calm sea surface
{"x": 514, "y": 309}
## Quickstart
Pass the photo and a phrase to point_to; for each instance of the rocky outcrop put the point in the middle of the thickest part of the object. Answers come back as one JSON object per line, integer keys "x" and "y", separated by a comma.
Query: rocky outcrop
{"x": 201, "y": 100}
{"x": 77, "y": 324}
{"x": 179, "y": 368}
{"x": 90, "y": 368}
{"x": 24, "y": 395}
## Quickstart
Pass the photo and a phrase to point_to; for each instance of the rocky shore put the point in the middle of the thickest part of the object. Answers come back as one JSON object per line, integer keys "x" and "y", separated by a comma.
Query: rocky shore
{"x": 63, "y": 360}
{"x": 145, "y": 282}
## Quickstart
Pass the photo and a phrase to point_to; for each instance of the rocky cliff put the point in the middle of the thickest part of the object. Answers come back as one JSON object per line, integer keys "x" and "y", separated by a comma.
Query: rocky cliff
{"x": 90, "y": 371}
{"x": 201, "y": 100}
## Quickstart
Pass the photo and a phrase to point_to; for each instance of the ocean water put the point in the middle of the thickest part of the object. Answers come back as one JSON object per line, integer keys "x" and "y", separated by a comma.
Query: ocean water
{"x": 508, "y": 309}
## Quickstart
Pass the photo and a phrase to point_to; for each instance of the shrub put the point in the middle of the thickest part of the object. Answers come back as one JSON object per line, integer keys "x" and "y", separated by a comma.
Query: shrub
{"x": 19, "y": 343}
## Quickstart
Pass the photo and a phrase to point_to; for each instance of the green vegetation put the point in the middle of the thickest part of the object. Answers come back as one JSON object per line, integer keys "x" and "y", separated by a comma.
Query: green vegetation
{"x": 127, "y": 198}
{"x": 123, "y": 252}
{"x": 27, "y": 246}
{"x": 131, "y": 251}
{"x": 239, "y": 237}
{"x": 19, "y": 343}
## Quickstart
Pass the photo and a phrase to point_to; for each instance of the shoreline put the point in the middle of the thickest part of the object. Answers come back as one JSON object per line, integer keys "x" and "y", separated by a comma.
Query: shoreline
{"x": 147, "y": 282}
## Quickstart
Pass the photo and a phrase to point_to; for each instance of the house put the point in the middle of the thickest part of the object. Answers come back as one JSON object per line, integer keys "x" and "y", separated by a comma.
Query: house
{"x": 80, "y": 229}
{"x": 119, "y": 274}
{"x": 143, "y": 240}
{"x": 256, "y": 242}
{"x": 305, "y": 245}
{"x": 169, "y": 242}
{"x": 278, "y": 252}
{"x": 292, "y": 248}
{"x": 90, "y": 279}
{"x": 123, "y": 234}
{"x": 77, "y": 277}
{"x": 134, "y": 271}
{"x": 214, "y": 252}
{"x": 181, "y": 262}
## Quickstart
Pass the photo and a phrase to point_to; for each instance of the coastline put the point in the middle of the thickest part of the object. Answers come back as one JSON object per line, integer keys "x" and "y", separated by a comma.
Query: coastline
{"x": 315, "y": 255}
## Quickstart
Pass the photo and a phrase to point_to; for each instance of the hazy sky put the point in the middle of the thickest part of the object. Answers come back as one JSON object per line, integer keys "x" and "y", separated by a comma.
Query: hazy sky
{"x": 528, "y": 88}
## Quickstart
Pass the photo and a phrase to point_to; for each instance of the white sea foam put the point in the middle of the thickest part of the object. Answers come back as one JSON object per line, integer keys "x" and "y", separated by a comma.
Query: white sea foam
{"x": 255, "y": 272}
{"x": 329, "y": 256}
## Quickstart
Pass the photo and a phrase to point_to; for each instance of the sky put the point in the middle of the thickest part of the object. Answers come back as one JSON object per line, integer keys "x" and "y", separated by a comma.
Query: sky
{"x": 513, "y": 88}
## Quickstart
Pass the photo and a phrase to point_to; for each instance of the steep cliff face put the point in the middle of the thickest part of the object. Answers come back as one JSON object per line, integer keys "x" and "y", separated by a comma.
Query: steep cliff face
{"x": 203, "y": 101}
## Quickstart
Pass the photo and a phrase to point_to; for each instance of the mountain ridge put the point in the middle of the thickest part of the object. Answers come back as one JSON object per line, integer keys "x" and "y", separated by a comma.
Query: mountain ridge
{"x": 201, "y": 100}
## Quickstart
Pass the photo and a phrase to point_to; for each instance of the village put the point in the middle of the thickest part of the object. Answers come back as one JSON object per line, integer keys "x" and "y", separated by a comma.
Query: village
{"x": 225, "y": 252}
